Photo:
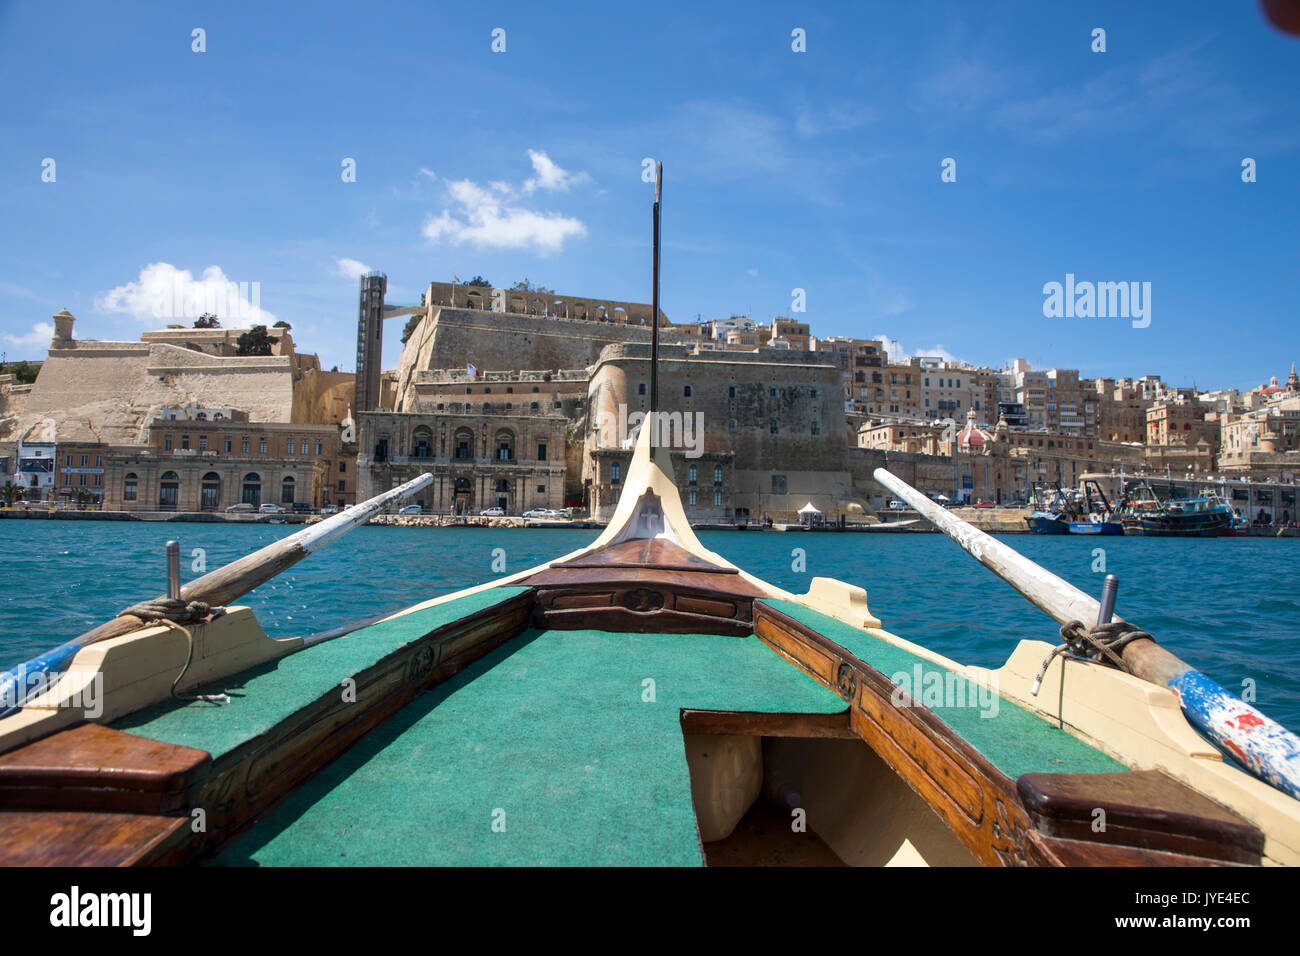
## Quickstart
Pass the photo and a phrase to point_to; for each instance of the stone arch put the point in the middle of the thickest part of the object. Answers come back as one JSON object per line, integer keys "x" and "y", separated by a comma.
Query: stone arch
{"x": 210, "y": 492}
{"x": 288, "y": 489}
{"x": 169, "y": 491}
{"x": 251, "y": 492}
{"x": 462, "y": 495}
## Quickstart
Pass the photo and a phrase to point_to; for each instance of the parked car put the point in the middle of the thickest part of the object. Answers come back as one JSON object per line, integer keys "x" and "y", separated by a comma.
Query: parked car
{"x": 985, "y": 504}
{"x": 302, "y": 507}
{"x": 330, "y": 510}
{"x": 537, "y": 513}
{"x": 270, "y": 508}
{"x": 492, "y": 513}
{"x": 242, "y": 508}
{"x": 411, "y": 510}
{"x": 897, "y": 505}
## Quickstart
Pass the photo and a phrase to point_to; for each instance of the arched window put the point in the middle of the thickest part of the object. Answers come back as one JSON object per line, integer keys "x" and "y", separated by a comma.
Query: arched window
{"x": 129, "y": 486}
{"x": 169, "y": 491}
{"x": 286, "y": 490}
{"x": 252, "y": 490}
{"x": 210, "y": 492}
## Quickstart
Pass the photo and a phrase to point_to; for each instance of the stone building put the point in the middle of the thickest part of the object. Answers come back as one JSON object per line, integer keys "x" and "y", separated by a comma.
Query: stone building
{"x": 768, "y": 424}
{"x": 479, "y": 460}
{"x": 201, "y": 464}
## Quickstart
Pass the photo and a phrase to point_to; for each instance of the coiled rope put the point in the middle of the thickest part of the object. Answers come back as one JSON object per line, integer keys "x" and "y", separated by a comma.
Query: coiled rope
{"x": 1100, "y": 644}
{"x": 173, "y": 612}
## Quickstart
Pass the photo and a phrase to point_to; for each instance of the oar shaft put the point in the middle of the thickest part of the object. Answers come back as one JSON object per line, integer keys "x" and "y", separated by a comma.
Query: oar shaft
{"x": 221, "y": 586}
{"x": 1262, "y": 745}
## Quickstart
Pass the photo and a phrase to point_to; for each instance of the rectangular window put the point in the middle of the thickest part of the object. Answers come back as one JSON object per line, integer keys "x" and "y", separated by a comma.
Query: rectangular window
{"x": 541, "y": 489}
{"x": 99, "y": 462}
{"x": 343, "y": 466}
{"x": 167, "y": 444}
{"x": 68, "y": 462}
{"x": 261, "y": 446}
{"x": 717, "y": 499}
{"x": 717, "y": 475}
{"x": 185, "y": 443}
{"x": 99, "y": 481}
{"x": 302, "y": 447}
{"x": 244, "y": 445}
{"x": 731, "y": 425}
{"x": 640, "y": 389}
{"x": 320, "y": 449}
{"x": 289, "y": 449}
{"x": 772, "y": 426}
{"x": 687, "y": 391}
{"x": 815, "y": 428}
{"x": 541, "y": 451}
{"x": 340, "y": 486}
{"x": 203, "y": 443}
{"x": 691, "y": 498}
{"x": 731, "y": 391}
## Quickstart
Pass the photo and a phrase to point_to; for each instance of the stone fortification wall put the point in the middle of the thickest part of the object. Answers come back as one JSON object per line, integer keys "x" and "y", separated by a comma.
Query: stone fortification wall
{"x": 110, "y": 391}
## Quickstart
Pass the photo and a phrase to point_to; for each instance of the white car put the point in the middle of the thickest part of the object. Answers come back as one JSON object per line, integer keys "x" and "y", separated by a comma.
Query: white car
{"x": 411, "y": 510}
{"x": 492, "y": 513}
{"x": 270, "y": 508}
{"x": 537, "y": 513}
{"x": 240, "y": 509}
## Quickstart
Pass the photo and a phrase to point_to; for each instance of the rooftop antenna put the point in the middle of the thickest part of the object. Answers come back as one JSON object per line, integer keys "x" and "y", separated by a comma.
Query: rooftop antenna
{"x": 654, "y": 307}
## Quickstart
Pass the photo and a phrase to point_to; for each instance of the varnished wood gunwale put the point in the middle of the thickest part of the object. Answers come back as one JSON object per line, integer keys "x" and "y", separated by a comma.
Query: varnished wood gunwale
{"x": 241, "y": 786}
{"x": 981, "y": 805}
{"x": 92, "y": 767}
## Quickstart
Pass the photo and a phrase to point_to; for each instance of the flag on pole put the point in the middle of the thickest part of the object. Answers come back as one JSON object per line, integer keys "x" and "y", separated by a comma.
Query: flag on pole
{"x": 471, "y": 370}
{"x": 455, "y": 278}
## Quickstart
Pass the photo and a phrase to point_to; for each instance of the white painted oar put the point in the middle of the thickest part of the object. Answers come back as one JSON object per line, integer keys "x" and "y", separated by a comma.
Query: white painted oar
{"x": 1262, "y": 745}
{"x": 214, "y": 588}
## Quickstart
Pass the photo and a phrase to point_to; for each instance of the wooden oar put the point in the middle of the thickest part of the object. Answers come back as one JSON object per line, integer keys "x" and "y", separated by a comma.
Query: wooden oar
{"x": 1262, "y": 745}
{"x": 215, "y": 588}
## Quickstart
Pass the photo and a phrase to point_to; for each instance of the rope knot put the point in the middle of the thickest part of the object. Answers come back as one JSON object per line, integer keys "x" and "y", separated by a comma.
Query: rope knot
{"x": 1100, "y": 644}
{"x": 176, "y": 610}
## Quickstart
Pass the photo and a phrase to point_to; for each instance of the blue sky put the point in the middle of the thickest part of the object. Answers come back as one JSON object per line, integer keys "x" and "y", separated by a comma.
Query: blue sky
{"x": 816, "y": 170}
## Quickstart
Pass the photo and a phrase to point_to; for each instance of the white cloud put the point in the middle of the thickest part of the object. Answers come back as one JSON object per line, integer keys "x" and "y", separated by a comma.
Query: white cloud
{"x": 165, "y": 293}
{"x": 894, "y": 349}
{"x": 40, "y": 334}
{"x": 551, "y": 176}
{"x": 491, "y": 217}
{"x": 751, "y": 272}
{"x": 351, "y": 268}
{"x": 428, "y": 172}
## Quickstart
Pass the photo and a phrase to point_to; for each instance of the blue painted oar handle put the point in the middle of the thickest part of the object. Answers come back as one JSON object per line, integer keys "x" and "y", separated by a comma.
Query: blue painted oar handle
{"x": 1263, "y": 746}
{"x": 18, "y": 683}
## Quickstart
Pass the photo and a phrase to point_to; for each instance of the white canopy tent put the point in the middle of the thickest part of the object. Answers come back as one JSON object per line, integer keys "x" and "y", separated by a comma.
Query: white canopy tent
{"x": 808, "y": 509}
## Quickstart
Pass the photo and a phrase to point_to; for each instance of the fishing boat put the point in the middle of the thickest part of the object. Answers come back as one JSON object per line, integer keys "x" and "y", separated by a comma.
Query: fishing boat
{"x": 1052, "y": 513}
{"x": 1100, "y": 513}
{"x": 1147, "y": 514}
{"x": 638, "y": 701}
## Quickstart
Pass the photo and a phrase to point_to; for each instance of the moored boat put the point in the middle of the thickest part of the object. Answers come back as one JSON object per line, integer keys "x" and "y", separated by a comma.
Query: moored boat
{"x": 640, "y": 700}
{"x": 1204, "y": 516}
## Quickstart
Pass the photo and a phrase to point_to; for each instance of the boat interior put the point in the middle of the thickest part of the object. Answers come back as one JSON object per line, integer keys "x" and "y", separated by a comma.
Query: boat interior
{"x": 640, "y": 701}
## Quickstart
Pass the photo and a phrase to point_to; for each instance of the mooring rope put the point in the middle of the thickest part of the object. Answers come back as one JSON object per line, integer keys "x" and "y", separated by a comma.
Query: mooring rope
{"x": 176, "y": 610}
{"x": 1100, "y": 644}
{"x": 173, "y": 612}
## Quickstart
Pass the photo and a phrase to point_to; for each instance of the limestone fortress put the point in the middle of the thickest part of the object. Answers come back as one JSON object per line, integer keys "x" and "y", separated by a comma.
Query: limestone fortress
{"x": 526, "y": 399}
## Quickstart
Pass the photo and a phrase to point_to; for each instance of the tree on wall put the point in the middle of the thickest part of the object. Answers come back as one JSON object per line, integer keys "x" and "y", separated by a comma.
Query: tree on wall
{"x": 411, "y": 323}
{"x": 207, "y": 321}
{"x": 523, "y": 285}
{"x": 254, "y": 342}
{"x": 282, "y": 325}
{"x": 479, "y": 281}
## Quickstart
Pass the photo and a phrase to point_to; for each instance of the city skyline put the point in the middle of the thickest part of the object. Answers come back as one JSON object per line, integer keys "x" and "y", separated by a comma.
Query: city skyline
{"x": 818, "y": 170}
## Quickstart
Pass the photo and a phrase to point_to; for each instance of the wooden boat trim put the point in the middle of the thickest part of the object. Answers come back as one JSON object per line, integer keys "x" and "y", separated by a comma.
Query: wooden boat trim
{"x": 980, "y": 804}
{"x": 748, "y": 724}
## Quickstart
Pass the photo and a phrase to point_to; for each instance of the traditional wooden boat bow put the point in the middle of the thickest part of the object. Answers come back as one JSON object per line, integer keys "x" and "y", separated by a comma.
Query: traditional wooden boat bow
{"x": 639, "y": 701}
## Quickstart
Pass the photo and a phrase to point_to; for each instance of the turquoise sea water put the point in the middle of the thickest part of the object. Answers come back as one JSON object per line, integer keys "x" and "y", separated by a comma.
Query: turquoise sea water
{"x": 1230, "y": 607}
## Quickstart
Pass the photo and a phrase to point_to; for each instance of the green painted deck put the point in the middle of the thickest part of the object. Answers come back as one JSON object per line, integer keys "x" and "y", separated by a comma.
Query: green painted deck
{"x": 1014, "y": 740}
{"x": 550, "y": 738}
{"x": 262, "y": 697}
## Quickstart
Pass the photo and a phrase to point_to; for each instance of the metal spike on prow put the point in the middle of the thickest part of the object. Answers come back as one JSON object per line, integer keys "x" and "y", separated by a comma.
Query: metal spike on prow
{"x": 654, "y": 308}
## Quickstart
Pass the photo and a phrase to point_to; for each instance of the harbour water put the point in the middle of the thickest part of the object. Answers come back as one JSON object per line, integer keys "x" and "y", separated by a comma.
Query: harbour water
{"x": 1230, "y": 607}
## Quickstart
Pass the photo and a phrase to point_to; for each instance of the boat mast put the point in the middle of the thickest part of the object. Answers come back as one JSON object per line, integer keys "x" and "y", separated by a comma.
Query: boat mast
{"x": 654, "y": 309}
